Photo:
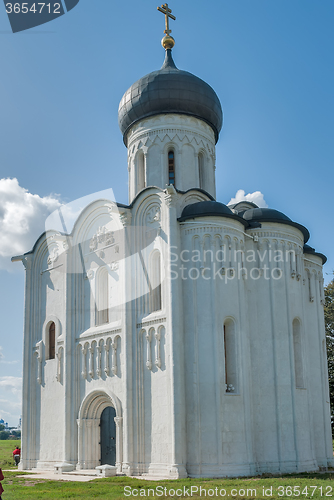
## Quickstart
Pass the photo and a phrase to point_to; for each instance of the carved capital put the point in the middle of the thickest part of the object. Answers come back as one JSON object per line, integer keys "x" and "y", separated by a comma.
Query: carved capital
{"x": 125, "y": 218}
{"x": 170, "y": 196}
{"x": 118, "y": 421}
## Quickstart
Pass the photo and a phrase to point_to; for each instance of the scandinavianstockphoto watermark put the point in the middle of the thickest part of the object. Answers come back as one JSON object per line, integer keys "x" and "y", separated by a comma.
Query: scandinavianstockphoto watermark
{"x": 26, "y": 14}
{"x": 226, "y": 264}
{"x": 164, "y": 491}
{"x": 265, "y": 491}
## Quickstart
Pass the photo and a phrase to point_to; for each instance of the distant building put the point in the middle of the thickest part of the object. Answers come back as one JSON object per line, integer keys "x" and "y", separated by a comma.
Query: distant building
{"x": 2, "y": 422}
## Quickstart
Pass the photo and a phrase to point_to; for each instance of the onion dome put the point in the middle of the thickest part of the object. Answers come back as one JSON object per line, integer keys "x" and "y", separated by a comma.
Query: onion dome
{"x": 311, "y": 251}
{"x": 270, "y": 215}
{"x": 169, "y": 90}
{"x": 209, "y": 209}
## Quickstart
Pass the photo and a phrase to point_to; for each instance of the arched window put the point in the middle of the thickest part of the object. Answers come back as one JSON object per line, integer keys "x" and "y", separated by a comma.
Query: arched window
{"x": 297, "y": 351}
{"x": 102, "y": 297}
{"x": 201, "y": 171}
{"x": 171, "y": 167}
{"x": 230, "y": 351}
{"x": 155, "y": 282}
{"x": 52, "y": 341}
{"x": 141, "y": 181}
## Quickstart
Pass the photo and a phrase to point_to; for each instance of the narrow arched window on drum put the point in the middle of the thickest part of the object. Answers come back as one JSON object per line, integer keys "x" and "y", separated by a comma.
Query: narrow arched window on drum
{"x": 171, "y": 168}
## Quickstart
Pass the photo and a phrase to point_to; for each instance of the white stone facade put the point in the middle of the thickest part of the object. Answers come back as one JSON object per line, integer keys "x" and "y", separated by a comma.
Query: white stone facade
{"x": 217, "y": 373}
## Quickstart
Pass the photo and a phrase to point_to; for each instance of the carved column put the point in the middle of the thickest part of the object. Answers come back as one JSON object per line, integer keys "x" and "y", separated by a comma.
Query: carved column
{"x": 80, "y": 464}
{"x": 114, "y": 356}
{"x": 119, "y": 442}
{"x": 91, "y": 360}
{"x": 39, "y": 356}
{"x": 299, "y": 264}
{"x": 106, "y": 365}
{"x": 148, "y": 350}
{"x": 96, "y": 442}
{"x": 157, "y": 349}
{"x": 98, "y": 370}
{"x": 84, "y": 362}
{"x": 311, "y": 285}
{"x": 292, "y": 257}
{"x": 88, "y": 442}
{"x": 59, "y": 356}
{"x": 321, "y": 286}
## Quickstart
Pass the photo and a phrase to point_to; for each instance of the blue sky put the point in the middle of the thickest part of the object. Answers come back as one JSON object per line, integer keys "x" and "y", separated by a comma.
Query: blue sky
{"x": 270, "y": 62}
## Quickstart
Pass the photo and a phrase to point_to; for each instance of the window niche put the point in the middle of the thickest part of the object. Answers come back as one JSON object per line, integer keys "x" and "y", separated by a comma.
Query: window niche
{"x": 201, "y": 171}
{"x": 102, "y": 297}
{"x": 155, "y": 302}
{"x": 141, "y": 177}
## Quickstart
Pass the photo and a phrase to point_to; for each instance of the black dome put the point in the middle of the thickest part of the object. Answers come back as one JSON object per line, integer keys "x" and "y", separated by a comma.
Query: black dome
{"x": 271, "y": 215}
{"x": 169, "y": 90}
{"x": 263, "y": 214}
{"x": 208, "y": 208}
{"x": 310, "y": 250}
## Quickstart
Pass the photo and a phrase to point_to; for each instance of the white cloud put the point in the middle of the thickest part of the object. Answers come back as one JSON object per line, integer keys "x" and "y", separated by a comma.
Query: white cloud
{"x": 12, "y": 412}
{"x": 2, "y": 357}
{"x": 10, "y": 405}
{"x": 22, "y": 219}
{"x": 256, "y": 197}
{"x": 11, "y": 384}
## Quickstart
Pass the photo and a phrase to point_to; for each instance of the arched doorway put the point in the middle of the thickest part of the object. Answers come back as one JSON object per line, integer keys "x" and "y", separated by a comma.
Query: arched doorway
{"x": 108, "y": 436}
{"x": 98, "y": 421}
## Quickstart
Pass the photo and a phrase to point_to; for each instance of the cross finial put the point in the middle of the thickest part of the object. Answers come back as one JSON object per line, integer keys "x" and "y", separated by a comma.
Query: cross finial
{"x": 167, "y": 41}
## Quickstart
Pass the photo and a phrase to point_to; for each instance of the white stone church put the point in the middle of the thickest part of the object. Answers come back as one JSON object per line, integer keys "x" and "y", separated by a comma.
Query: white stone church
{"x": 175, "y": 336}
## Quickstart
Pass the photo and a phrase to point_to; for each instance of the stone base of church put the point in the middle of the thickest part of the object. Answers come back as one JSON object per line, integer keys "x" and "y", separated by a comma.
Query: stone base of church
{"x": 287, "y": 467}
{"x": 168, "y": 471}
{"x": 26, "y": 464}
{"x": 234, "y": 470}
{"x": 227, "y": 470}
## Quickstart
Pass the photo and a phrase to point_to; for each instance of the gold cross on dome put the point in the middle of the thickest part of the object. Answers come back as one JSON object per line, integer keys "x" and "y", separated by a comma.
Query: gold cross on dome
{"x": 168, "y": 14}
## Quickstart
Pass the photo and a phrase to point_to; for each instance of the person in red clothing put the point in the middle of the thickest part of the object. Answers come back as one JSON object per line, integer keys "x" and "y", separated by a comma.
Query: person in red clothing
{"x": 16, "y": 455}
{"x": 1, "y": 479}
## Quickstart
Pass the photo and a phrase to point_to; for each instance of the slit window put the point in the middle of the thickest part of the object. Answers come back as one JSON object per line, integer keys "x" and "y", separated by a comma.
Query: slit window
{"x": 201, "y": 170}
{"x": 52, "y": 341}
{"x": 171, "y": 168}
{"x": 230, "y": 353}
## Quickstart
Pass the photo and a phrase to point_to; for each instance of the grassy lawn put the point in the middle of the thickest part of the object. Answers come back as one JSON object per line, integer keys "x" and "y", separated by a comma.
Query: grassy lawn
{"x": 289, "y": 486}
{"x": 6, "y": 453}
{"x": 310, "y": 486}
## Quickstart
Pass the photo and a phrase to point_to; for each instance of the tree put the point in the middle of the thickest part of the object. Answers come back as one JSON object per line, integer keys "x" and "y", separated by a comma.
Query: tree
{"x": 4, "y": 435}
{"x": 329, "y": 326}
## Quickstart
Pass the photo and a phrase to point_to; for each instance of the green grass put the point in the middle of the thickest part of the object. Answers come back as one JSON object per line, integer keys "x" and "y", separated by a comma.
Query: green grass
{"x": 6, "y": 453}
{"x": 24, "y": 488}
